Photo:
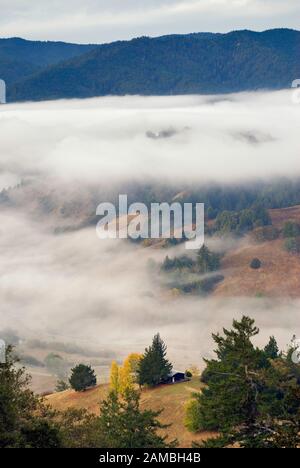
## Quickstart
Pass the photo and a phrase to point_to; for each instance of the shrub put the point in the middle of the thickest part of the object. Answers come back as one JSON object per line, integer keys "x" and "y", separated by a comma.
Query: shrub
{"x": 178, "y": 263}
{"x": 291, "y": 229}
{"x": 255, "y": 264}
{"x": 192, "y": 415}
{"x": 61, "y": 386}
{"x": 292, "y": 245}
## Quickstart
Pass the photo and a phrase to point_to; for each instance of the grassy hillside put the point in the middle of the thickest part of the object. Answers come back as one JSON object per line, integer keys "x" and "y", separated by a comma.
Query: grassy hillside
{"x": 175, "y": 64}
{"x": 280, "y": 272}
{"x": 170, "y": 397}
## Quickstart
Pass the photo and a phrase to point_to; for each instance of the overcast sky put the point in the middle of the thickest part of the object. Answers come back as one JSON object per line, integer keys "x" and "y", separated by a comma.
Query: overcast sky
{"x": 101, "y": 21}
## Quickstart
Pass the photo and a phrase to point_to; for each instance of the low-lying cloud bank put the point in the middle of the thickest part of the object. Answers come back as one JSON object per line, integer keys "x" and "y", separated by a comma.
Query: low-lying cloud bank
{"x": 184, "y": 138}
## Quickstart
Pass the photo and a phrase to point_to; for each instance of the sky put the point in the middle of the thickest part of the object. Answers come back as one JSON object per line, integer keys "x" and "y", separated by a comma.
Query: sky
{"x": 99, "y": 21}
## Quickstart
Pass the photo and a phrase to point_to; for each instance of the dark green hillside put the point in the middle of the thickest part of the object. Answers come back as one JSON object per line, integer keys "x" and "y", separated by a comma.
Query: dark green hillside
{"x": 20, "y": 58}
{"x": 176, "y": 64}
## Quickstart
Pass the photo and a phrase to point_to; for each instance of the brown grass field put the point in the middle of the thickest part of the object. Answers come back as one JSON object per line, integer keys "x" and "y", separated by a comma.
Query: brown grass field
{"x": 280, "y": 272}
{"x": 171, "y": 398}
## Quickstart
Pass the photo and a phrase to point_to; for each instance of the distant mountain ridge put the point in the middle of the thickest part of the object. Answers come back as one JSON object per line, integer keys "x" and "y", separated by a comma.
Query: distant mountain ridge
{"x": 167, "y": 65}
{"x": 20, "y": 58}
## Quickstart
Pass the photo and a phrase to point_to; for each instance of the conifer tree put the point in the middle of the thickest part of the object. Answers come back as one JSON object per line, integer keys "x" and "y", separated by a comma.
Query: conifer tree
{"x": 207, "y": 261}
{"x": 271, "y": 349}
{"x": 82, "y": 377}
{"x": 125, "y": 425}
{"x": 154, "y": 366}
{"x": 252, "y": 395}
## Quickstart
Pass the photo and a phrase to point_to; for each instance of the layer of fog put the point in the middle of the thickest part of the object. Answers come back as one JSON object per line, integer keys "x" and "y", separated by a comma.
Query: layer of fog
{"x": 223, "y": 139}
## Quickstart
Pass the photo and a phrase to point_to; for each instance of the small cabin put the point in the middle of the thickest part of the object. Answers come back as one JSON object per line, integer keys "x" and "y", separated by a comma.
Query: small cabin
{"x": 175, "y": 377}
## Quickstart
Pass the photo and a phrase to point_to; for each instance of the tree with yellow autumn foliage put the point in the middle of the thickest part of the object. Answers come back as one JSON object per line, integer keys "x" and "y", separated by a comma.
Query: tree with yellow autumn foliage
{"x": 123, "y": 378}
{"x": 114, "y": 380}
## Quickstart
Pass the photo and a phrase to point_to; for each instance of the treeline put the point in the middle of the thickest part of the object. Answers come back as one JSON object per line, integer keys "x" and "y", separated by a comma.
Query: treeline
{"x": 280, "y": 193}
{"x": 206, "y": 261}
{"x": 240, "y": 222}
{"x": 217, "y": 198}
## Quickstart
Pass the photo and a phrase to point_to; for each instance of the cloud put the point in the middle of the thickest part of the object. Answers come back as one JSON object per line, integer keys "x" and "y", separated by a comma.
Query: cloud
{"x": 101, "y": 21}
{"x": 238, "y": 137}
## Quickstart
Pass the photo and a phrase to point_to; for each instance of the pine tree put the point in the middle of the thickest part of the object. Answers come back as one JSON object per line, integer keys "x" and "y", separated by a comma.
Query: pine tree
{"x": 154, "y": 367}
{"x": 230, "y": 396}
{"x": 207, "y": 261}
{"x": 271, "y": 349}
{"x": 252, "y": 395}
{"x": 24, "y": 421}
{"x": 125, "y": 425}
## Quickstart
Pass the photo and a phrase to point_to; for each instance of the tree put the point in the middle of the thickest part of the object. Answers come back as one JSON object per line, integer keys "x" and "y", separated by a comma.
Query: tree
{"x": 82, "y": 377}
{"x": 125, "y": 425}
{"x": 291, "y": 229}
{"x": 271, "y": 349}
{"x": 128, "y": 372}
{"x": 61, "y": 386}
{"x": 154, "y": 367}
{"x": 251, "y": 399}
{"x": 227, "y": 398}
{"x": 24, "y": 421}
{"x": 292, "y": 245}
{"x": 226, "y": 222}
{"x": 255, "y": 264}
{"x": 133, "y": 361}
{"x": 114, "y": 379}
{"x": 80, "y": 429}
{"x": 207, "y": 261}
{"x": 178, "y": 263}
{"x": 192, "y": 415}
{"x": 261, "y": 216}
